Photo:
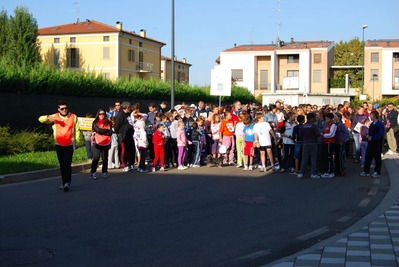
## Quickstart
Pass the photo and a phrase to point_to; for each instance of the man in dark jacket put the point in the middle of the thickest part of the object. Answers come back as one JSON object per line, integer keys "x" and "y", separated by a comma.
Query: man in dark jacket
{"x": 309, "y": 133}
{"x": 124, "y": 132}
{"x": 390, "y": 125}
{"x": 374, "y": 147}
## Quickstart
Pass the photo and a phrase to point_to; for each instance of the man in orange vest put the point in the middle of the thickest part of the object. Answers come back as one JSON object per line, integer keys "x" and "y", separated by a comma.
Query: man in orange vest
{"x": 66, "y": 134}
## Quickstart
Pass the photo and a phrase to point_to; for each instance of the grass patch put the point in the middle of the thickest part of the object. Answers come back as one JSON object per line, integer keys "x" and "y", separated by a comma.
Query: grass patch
{"x": 34, "y": 161}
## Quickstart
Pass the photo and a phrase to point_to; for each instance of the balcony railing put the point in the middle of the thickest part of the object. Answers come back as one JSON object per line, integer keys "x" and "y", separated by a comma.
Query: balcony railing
{"x": 145, "y": 67}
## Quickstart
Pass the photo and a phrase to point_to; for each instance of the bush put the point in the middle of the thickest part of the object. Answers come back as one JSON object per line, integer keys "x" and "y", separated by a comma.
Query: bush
{"x": 12, "y": 143}
{"x": 45, "y": 80}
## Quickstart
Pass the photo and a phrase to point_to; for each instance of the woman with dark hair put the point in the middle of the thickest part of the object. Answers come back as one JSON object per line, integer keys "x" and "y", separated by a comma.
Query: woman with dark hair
{"x": 101, "y": 139}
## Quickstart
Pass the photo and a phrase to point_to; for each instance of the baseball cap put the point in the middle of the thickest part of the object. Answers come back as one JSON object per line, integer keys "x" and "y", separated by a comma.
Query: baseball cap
{"x": 280, "y": 101}
{"x": 192, "y": 106}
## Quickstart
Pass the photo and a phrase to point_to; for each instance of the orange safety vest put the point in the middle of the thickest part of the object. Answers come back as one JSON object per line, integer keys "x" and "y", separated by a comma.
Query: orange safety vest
{"x": 102, "y": 140}
{"x": 64, "y": 129}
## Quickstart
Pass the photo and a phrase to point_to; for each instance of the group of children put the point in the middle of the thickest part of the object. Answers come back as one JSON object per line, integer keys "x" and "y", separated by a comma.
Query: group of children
{"x": 178, "y": 139}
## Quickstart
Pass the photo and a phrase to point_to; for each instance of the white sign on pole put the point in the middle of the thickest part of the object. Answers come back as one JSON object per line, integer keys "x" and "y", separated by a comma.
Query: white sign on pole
{"x": 220, "y": 82}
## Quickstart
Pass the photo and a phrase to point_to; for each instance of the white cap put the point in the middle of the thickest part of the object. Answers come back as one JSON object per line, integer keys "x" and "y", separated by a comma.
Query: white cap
{"x": 192, "y": 106}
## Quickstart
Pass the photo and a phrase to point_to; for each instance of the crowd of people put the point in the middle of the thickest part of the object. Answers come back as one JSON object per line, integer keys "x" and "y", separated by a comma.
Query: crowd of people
{"x": 305, "y": 139}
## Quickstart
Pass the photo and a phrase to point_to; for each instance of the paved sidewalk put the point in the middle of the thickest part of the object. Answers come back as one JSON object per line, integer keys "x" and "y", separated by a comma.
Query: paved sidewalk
{"x": 372, "y": 241}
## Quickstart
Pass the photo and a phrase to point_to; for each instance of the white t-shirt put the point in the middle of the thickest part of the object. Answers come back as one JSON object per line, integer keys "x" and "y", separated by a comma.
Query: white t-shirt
{"x": 263, "y": 130}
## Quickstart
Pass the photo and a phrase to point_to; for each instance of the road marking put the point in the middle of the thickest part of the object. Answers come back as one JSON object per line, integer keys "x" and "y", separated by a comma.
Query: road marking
{"x": 254, "y": 255}
{"x": 376, "y": 181}
{"x": 345, "y": 218}
{"x": 373, "y": 191}
{"x": 317, "y": 232}
{"x": 364, "y": 202}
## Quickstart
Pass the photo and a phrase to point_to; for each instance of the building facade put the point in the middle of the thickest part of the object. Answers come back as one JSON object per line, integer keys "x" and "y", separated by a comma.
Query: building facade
{"x": 381, "y": 68}
{"x": 107, "y": 50}
{"x": 293, "y": 71}
{"x": 182, "y": 69}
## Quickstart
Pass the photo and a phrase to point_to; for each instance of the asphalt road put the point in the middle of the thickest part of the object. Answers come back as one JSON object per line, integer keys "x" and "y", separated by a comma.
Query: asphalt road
{"x": 198, "y": 217}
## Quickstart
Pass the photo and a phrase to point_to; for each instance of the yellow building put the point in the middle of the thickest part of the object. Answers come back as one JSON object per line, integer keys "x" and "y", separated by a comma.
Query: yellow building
{"x": 111, "y": 51}
{"x": 182, "y": 69}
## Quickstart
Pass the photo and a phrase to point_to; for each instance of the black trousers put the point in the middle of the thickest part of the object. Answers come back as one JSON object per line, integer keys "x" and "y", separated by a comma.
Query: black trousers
{"x": 97, "y": 152}
{"x": 374, "y": 150}
{"x": 64, "y": 155}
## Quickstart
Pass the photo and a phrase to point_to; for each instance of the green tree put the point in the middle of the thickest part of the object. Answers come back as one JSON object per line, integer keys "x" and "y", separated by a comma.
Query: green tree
{"x": 349, "y": 54}
{"x": 3, "y": 33}
{"x": 23, "y": 47}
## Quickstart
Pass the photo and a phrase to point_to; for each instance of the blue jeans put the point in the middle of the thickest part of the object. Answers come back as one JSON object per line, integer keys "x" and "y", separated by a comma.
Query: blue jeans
{"x": 357, "y": 145}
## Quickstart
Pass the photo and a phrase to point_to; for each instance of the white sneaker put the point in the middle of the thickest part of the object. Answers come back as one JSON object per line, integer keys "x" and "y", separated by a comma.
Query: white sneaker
{"x": 162, "y": 169}
{"x": 126, "y": 169}
{"x": 325, "y": 175}
{"x": 375, "y": 175}
{"x": 314, "y": 176}
{"x": 245, "y": 168}
{"x": 240, "y": 166}
{"x": 262, "y": 169}
{"x": 282, "y": 170}
{"x": 66, "y": 187}
{"x": 299, "y": 175}
{"x": 363, "y": 174}
{"x": 196, "y": 166}
{"x": 250, "y": 168}
{"x": 153, "y": 169}
{"x": 93, "y": 176}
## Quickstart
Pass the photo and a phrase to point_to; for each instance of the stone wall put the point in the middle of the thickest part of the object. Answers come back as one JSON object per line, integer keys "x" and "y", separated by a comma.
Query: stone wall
{"x": 21, "y": 111}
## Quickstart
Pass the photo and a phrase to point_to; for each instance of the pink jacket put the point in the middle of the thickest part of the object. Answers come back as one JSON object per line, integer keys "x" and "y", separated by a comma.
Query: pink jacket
{"x": 181, "y": 137}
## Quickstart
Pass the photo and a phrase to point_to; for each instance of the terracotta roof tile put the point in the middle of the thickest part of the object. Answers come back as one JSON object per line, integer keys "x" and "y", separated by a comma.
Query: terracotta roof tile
{"x": 170, "y": 59}
{"x": 285, "y": 46}
{"x": 383, "y": 43}
{"x": 88, "y": 26}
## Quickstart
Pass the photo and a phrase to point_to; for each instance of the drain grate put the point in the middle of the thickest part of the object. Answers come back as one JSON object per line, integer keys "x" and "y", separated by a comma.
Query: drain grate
{"x": 24, "y": 256}
{"x": 257, "y": 200}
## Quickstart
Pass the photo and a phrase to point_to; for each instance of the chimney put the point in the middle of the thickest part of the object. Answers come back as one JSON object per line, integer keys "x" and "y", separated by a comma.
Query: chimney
{"x": 235, "y": 45}
{"x": 119, "y": 25}
{"x": 143, "y": 33}
{"x": 292, "y": 39}
{"x": 184, "y": 60}
{"x": 175, "y": 58}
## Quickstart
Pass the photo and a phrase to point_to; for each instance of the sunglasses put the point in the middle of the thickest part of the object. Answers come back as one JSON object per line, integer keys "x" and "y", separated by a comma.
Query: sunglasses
{"x": 101, "y": 113}
{"x": 64, "y": 108}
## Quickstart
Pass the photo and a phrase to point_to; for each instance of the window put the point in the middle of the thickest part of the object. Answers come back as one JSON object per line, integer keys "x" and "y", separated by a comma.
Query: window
{"x": 372, "y": 73}
{"x": 178, "y": 75}
{"x": 130, "y": 41}
{"x": 131, "y": 55}
{"x": 264, "y": 79}
{"x": 106, "y": 75}
{"x": 237, "y": 75}
{"x": 317, "y": 58}
{"x": 105, "y": 52}
{"x": 374, "y": 57}
{"x": 56, "y": 57}
{"x": 396, "y": 79}
{"x": 140, "y": 44}
{"x": 317, "y": 76}
{"x": 106, "y": 38}
{"x": 56, "y": 40}
{"x": 292, "y": 59}
{"x": 140, "y": 66}
{"x": 396, "y": 57}
{"x": 72, "y": 39}
{"x": 72, "y": 58}
{"x": 294, "y": 73}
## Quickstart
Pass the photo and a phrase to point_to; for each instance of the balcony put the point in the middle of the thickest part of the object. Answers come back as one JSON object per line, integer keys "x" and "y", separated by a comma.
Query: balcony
{"x": 145, "y": 67}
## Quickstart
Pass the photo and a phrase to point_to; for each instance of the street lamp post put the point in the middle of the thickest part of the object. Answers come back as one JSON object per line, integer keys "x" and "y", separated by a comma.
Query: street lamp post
{"x": 172, "y": 93}
{"x": 363, "y": 27}
{"x": 375, "y": 76}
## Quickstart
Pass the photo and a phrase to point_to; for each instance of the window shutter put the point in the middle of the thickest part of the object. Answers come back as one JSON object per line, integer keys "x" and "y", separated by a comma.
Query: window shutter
{"x": 264, "y": 79}
{"x": 106, "y": 52}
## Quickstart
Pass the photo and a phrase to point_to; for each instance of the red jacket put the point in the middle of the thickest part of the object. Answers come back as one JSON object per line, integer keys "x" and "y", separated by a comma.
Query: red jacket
{"x": 158, "y": 138}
